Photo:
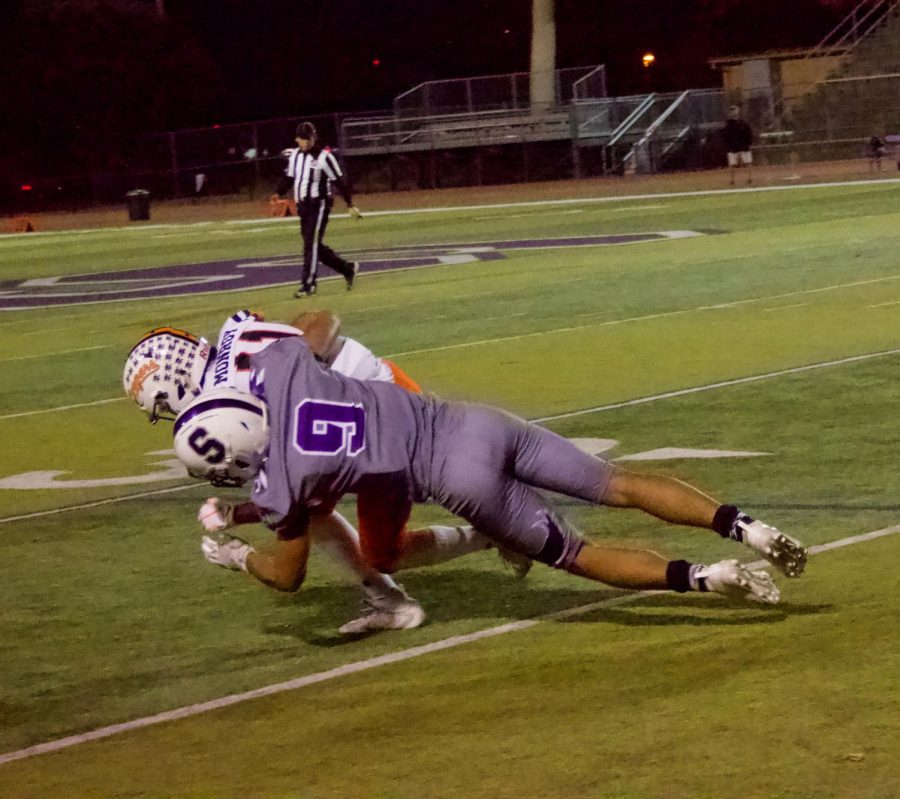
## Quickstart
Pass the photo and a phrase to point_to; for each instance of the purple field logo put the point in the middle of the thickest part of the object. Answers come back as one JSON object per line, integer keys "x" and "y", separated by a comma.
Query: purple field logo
{"x": 253, "y": 273}
{"x": 327, "y": 428}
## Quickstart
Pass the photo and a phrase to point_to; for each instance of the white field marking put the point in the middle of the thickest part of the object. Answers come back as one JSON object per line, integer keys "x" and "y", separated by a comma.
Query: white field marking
{"x": 124, "y": 286}
{"x": 58, "y": 352}
{"x": 368, "y": 276}
{"x": 723, "y": 384}
{"x": 62, "y": 408}
{"x": 48, "y": 235}
{"x": 99, "y": 502}
{"x": 480, "y": 342}
{"x": 884, "y": 304}
{"x": 376, "y": 662}
{"x": 528, "y": 215}
{"x": 606, "y": 199}
{"x": 502, "y": 316}
{"x": 646, "y": 317}
{"x": 175, "y": 233}
{"x": 677, "y": 453}
{"x": 786, "y": 307}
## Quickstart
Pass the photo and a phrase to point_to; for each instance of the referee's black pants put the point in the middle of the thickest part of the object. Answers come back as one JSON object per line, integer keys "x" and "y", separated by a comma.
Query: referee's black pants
{"x": 313, "y": 221}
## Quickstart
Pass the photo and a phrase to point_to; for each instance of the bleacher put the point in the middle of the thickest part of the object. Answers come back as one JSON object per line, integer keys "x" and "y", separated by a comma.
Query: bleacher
{"x": 861, "y": 97}
{"x": 475, "y": 112}
{"x": 416, "y": 134}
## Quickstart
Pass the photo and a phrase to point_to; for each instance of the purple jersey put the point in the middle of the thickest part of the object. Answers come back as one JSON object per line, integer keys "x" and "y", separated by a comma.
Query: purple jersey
{"x": 331, "y": 435}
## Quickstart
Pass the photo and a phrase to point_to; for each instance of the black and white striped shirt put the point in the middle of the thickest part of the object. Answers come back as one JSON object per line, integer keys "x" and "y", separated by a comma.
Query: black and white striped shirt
{"x": 313, "y": 174}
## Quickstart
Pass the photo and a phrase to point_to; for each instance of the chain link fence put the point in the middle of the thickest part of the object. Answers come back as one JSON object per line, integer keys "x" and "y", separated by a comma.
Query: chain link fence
{"x": 834, "y": 119}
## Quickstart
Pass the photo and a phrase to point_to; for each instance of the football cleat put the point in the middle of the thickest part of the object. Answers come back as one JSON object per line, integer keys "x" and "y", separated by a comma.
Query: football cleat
{"x": 786, "y": 554}
{"x": 734, "y": 580}
{"x": 518, "y": 563}
{"x": 304, "y": 291}
{"x": 392, "y": 611}
{"x": 354, "y": 271}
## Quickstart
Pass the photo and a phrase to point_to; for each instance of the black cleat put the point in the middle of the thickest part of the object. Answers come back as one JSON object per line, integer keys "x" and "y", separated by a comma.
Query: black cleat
{"x": 354, "y": 271}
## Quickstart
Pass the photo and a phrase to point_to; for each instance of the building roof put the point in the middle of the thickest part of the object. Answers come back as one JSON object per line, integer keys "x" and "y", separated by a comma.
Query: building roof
{"x": 774, "y": 55}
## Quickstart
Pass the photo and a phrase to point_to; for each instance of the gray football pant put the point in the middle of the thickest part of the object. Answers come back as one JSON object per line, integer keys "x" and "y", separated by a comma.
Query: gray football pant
{"x": 486, "y": 467}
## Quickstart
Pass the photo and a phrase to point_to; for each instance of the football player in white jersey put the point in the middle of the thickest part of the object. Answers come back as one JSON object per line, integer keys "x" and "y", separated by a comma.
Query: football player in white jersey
{"x": 170, "y": 367}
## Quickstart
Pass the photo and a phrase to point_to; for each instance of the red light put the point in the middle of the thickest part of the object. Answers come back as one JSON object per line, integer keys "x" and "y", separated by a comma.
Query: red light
{"x": 376, "y": 62}
{"x": 25, "y": 187}
{"x": 217, "y": 125}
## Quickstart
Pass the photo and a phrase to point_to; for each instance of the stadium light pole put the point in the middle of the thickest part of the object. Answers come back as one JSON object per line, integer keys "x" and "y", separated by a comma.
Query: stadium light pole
{"x": 543, "y": 55}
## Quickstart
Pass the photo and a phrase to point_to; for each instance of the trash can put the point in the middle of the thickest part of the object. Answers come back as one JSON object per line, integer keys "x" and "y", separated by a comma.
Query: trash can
{"x": 138, "y": 204}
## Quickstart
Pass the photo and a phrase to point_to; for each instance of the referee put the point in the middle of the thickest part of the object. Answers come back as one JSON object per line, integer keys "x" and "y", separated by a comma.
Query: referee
{"x": 310, "y": 173}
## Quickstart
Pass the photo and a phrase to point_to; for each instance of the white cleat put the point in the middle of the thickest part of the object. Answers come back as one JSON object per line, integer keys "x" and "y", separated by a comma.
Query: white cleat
{"x": 394, "y": 611}
{"x": 518, "y": 563}
{"x": 786, "y": 554}
{"x": 736, "y": 581}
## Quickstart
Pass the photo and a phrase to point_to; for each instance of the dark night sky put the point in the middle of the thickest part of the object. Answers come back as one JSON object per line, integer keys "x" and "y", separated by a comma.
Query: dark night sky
{"x": 271, "y": 67}
{"x": 82, "y": 80}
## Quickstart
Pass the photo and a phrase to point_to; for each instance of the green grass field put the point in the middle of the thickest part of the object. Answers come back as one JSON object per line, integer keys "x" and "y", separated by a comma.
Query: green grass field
{"x": 110, "y": 614}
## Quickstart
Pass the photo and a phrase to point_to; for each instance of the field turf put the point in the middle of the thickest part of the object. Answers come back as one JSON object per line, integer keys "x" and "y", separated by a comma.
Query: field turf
{"x": 108, "y": 613}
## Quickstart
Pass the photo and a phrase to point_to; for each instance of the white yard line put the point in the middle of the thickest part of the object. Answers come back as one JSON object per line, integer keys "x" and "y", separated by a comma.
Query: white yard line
{"x": 99, "y": 502}
{"x": 605, "y": 199}
{"x": 372, "y": 663}
{"x": 62, "y": 408}
{"x": 787, "y": 307}
{"x": 492, "y": 340}
{"x": 51, "y": 354}
{"x": 723, "y": 384}
{"x": 646, "y": 317}
{"x": 884, "y": 304}
{"x": 11, "y": 241}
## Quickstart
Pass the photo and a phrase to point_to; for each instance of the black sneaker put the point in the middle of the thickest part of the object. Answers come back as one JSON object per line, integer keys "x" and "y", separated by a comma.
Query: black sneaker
{"x": 304, "y": 291}
{"x": 354, "y": 271}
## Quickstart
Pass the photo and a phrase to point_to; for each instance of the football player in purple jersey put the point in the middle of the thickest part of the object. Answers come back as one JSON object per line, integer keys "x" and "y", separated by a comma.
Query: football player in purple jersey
{"x": 307, "y": 436}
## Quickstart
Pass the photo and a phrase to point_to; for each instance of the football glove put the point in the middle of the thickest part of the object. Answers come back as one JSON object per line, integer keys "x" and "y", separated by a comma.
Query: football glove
{"x": 354, "y": 212}
{"x": 226, "y": 551}
{"x": 216, "y": 515}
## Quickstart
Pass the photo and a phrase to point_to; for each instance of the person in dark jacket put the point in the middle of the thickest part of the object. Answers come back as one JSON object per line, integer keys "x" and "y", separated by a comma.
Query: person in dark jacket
{"x": 738, "y": 138}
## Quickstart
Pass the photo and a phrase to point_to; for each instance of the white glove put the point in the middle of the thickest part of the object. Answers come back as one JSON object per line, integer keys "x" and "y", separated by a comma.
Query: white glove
{"x": 227, "y": 551}
{"x": 216, "y": 515}
{"x": 354, "y": 212}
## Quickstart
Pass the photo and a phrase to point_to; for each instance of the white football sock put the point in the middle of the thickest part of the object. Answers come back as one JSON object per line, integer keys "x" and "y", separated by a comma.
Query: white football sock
{"x": 447, "y": 543}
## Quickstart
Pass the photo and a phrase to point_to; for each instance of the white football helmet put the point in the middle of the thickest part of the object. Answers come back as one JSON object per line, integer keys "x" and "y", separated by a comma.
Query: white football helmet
{"x": 164, "y": 371}
{"x": 222, "y": 436}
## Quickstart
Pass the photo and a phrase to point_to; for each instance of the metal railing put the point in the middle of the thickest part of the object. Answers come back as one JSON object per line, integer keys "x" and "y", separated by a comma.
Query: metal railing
{"x": 655, "y": 125}
{"x": 631, "y": 120}
{"x": 510, "y": 91}
{"x": 676, "y": 119}
{"x": 591, "y": 86}
{"x": 861, "y": 21}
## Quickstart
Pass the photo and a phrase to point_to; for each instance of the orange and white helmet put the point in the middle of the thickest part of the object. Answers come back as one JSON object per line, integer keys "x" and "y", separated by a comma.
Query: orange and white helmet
{"x": 164, "y": 371}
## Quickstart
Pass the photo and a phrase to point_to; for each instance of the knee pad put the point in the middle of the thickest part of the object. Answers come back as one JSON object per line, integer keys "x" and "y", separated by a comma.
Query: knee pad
{"x": 562, "y": 545}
